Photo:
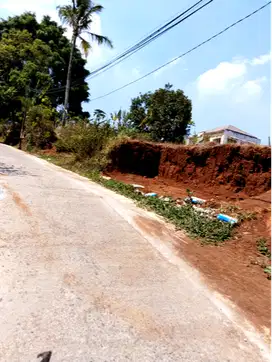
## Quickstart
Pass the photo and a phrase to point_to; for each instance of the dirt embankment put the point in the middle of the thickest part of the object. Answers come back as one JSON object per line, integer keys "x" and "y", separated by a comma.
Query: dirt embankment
{"x": 231, "y": 168}
{"x": 232, "y": 175}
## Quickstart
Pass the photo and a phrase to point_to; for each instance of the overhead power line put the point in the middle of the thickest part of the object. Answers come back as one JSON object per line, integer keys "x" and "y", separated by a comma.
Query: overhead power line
{"x": 144, "y": 42}
{"x": 187, "y": 52}
{"x": 150, "y": 38}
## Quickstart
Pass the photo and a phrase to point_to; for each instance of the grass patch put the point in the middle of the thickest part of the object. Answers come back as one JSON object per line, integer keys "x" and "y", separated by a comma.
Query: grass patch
{"x": 183, "y": 217}
{"x": 263, "y": 249}
{"x": 238, "y": 213}
{"x": 267, "y": 270}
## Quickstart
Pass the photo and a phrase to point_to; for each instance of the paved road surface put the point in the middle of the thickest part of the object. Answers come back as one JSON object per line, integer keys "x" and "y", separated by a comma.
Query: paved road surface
{"x": 78, "y": 279}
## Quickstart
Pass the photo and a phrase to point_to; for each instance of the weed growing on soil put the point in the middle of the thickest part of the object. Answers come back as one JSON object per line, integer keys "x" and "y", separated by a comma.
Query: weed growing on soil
{"x": 263, "y": 249}
{"x": 237, "y": 212}
{"x": 183, "y": 217}
{"x": 267, "y": 270}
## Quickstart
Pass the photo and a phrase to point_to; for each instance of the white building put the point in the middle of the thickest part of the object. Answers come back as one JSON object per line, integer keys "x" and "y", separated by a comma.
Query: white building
{"x": 223, "y": 135}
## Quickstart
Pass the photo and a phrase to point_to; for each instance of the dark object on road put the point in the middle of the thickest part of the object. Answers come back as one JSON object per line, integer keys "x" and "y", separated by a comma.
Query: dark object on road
{"x": 46, "y": 356}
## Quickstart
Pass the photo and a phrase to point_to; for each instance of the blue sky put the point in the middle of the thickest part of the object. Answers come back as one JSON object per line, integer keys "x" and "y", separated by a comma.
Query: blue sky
{"x": 228, "y": 79}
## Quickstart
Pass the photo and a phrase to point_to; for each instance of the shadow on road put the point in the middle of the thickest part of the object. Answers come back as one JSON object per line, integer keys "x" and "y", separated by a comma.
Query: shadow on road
{"x": 11, "y": 170}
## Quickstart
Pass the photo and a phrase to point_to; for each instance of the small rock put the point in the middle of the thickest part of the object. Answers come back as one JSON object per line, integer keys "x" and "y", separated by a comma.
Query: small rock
{"x": 106, "y": 177}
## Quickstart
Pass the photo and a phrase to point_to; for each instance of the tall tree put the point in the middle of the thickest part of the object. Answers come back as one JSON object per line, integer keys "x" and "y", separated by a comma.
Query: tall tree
{"x": 79, "y": 16}
{"x": 166, "y": 114}
{"x": 24, "y": 68}
{"x": 53, "y": 36}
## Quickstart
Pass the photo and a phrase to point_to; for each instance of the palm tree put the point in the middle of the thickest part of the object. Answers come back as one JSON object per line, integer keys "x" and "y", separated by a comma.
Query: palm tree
{"x": 99, "y": 114}
{"x": 79, "y": 16}
{"x": 120, "y": 118}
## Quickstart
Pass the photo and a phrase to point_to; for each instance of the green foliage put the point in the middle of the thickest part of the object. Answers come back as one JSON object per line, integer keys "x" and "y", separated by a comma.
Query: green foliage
{"x": 165, "y": 114}
{"x": 24, "y": 64}
{"x": 85, "y": 140}
{"x": 79, "y": 16}
{"x": 120, "y": 120}
{"x": 267, "y": 270}
{"x": 99, "y": 115}
{"x": 262, "y": 247}
{"x": 39, "y": 127}
{"x": 183, "y": 217}
{"x": 238, "y": 213}
{"x": 46, "y": 50}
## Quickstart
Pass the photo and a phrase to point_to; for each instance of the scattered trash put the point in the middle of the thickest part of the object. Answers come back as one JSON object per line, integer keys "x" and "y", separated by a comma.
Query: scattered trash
{"x": 227, "y": 218}
{"x": 207, "y": 211}
{"x": 106, "y": 177}
{"x": 167, "y": 199}
{"x": 137, "y": 186}
{"x": 194, "y": 200}
{"x": 139, "y": 192}
{"x": 151, "y": 194}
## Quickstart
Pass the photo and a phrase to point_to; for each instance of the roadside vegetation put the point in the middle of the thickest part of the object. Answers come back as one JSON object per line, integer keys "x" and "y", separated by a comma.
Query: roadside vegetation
{"x": 43, "y": 83}
{"x": 183, "y": 216}
{"x": 264, "y": 250}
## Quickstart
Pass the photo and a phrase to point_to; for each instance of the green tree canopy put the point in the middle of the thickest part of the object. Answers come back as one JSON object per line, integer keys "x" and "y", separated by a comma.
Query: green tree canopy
{"x": 166, "y": 114}
{"x": 50, "y": 35}
{"x": 25, "y": 66}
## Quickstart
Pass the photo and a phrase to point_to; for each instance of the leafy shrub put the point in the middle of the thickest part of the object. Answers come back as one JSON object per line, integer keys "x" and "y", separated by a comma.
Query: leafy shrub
{"x": 39, "y": 127}
{"x": 85, "y": 140}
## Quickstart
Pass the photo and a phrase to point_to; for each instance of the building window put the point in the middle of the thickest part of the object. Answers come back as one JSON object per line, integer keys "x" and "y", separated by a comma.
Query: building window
{"x": 232, "y": 140}
{"x": 217, "y": 140}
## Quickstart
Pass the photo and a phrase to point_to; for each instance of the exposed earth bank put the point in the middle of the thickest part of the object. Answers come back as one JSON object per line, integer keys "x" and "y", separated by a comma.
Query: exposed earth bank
{"x": 230, "y": 176}
{"x": 225, "y": 169}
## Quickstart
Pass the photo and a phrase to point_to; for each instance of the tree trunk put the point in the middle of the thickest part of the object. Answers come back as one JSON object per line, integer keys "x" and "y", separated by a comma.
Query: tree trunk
{"x": 68, "y": 81}
{"x": 22, "y": 131}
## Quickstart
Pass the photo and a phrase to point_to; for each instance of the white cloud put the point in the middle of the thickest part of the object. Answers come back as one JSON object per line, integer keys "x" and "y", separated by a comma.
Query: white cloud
{"x": 41, "y": 8}
{"x": 221, "y": 78}
{"x": 251, "y": 89}
{"x": 261, "y": 60}
{"x": 229, "y": 77}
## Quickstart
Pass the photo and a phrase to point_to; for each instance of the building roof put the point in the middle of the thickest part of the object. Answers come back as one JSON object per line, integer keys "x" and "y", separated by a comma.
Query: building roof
{"x": 229, "y": 128}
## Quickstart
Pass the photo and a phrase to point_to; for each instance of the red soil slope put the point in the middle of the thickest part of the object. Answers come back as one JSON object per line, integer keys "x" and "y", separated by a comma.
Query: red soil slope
{"x": 233, "y": 168}
{"x": 239, "y": 175}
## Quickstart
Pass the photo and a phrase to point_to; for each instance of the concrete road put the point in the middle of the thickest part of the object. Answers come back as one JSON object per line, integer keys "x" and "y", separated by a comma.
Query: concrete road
{"x": 80, "y": 277}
